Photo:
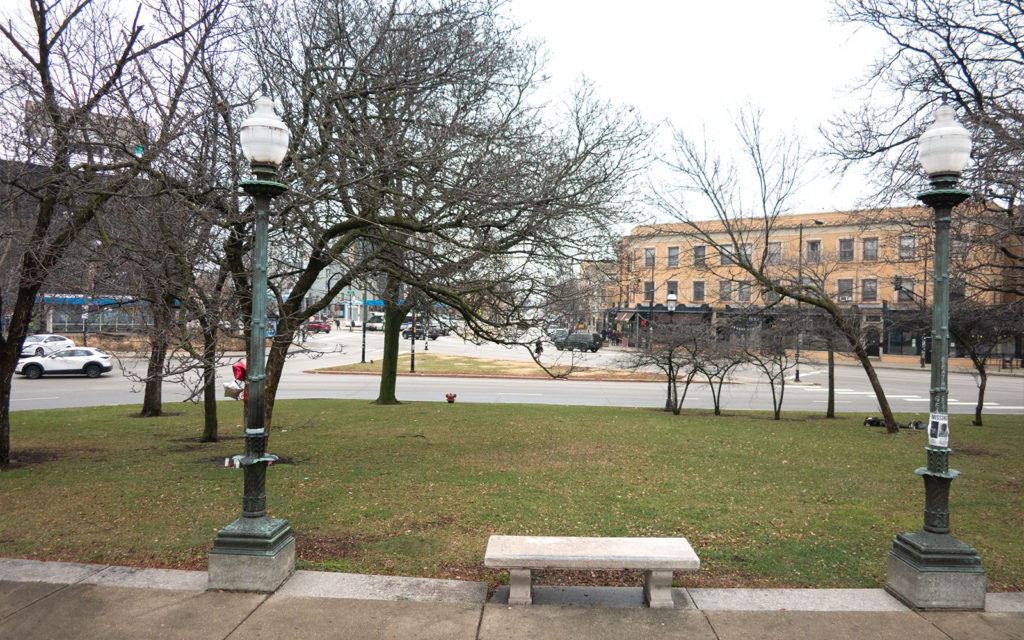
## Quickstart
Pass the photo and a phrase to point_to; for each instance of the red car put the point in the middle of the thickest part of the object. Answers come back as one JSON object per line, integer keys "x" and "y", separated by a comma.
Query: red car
{"x": 318, "y": 327}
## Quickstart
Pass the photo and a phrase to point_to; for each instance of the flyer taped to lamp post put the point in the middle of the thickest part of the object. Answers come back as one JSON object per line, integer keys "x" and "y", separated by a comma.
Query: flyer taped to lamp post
{"x": 938, "y": 430}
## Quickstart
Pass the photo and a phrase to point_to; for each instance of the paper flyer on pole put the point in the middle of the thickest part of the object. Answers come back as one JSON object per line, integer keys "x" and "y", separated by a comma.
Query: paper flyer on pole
{"x": 938, "y": 430}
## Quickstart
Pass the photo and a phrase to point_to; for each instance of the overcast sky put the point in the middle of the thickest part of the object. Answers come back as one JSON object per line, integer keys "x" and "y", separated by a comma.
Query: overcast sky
{"x": 696, "y": 64}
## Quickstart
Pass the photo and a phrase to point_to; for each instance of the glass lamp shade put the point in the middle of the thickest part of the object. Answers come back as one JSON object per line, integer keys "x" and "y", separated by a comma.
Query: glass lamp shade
{"x": 671, "y": 301}
{"x": 263, "y": 134}
{"x": 945, "y": 147}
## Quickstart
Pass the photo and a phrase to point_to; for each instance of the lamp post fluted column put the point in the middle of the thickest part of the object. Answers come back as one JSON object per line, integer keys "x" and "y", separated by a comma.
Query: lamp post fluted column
{"x": 930, "y": 569}
{"x": 799, "y": 320}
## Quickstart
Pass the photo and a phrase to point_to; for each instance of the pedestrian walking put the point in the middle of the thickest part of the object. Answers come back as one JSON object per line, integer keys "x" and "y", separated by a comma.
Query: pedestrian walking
{"x": 539, "y": 349}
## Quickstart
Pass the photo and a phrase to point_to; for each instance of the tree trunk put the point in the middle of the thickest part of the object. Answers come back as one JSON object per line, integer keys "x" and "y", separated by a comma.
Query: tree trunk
{"x": 275, "y": 367}
{"x": 979, "y": 364}
{"x": 7, "y": 364}
{"x": 209, "y": 383}
{"x": 782, "y": 394}
{"x": 389, "y": 364}
{"x": 152, "y": 397}
{"x": 890, "y": 420}
{"x": 670, "y": 400}
{"x": 716, "y": 394}
{"x": 862, "y": 356}
{"x": 830, "y": 410}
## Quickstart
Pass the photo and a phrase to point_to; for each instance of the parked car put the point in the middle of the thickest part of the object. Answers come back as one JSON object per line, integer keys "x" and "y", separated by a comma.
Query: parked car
{"x": 42, "y": 344}
{"x": 558, "y": 334}
{"x": 440, "y": 329}
{"x": 85, "y": 360}
{"x": 421, "y": 333}
{"x": 580, "y": 341}
{"x": 316, "y": 326}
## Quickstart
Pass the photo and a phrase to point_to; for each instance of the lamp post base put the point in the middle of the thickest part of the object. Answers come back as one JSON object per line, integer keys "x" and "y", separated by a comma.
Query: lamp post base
{"x": 935, "y": 571}
{"x": 252, "y": 554}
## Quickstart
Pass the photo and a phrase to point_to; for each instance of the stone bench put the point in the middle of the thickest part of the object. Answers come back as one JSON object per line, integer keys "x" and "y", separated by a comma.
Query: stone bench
{"x": 656, "y": 557}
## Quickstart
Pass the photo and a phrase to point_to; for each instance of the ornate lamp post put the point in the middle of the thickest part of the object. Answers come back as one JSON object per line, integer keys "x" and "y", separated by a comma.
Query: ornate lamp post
{"x": 256, "y": 552}
{"x": 931, "y": 569}
{"x": 799, "y": 282}
{"x": 671, "y": 301}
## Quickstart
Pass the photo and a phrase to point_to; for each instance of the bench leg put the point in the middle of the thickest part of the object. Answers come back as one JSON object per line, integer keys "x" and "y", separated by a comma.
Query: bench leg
{"x": 520, "y": 590}
{"x": 658, "y": 589}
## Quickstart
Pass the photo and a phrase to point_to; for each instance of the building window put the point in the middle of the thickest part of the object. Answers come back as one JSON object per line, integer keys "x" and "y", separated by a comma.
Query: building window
{"x": 743, "y": 292}
{"x": 958, "y": 250}
{"x": 846, "y": 250}
{"x": 904, "y": 289}
{"x": 868, "y": 290}
{"x": 748, "y": 253}
{"x": 907, "y": 247}
{"x": 845, "y": 290}
{"x": 725, "y": 290}
{"x": 649, "y": 255}
{"x": 699, "y": 255}
{"x": 813, "y": 251}
{"x": 698, "y": 291}
{"x": 869, "y": 249}
{"x": 672, "y": 287}
{"x": 957, "y": 288}
{"x": 673, "y": 256}
{"x": 649, "y": 291}
{"x": 725, "y": 255}
{"x": 774, "y": 253}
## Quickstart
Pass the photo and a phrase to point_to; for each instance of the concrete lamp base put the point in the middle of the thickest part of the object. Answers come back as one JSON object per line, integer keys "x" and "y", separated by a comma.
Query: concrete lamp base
{"x": 935, "y": 571}
{"x": 252, "y": 556}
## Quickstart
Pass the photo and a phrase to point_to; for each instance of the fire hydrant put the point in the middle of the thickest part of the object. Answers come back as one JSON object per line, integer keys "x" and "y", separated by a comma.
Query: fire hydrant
{"x": 450, "y": 397}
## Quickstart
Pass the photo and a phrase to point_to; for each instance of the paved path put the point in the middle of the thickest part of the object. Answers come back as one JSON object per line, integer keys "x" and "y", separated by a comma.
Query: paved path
{"x": 47, "y": 600}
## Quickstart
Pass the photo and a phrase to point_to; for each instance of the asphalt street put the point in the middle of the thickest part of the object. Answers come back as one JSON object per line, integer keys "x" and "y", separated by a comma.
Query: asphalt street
{"x": 907, "y": 388}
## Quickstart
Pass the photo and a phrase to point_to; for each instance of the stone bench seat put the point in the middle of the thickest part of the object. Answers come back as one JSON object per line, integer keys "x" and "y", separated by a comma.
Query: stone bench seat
{"x": 656, "y": 557}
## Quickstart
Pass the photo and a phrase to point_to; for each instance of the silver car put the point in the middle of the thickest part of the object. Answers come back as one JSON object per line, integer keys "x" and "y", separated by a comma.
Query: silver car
{"x": 83, "y": 360}
{"x": 42, "y": 344}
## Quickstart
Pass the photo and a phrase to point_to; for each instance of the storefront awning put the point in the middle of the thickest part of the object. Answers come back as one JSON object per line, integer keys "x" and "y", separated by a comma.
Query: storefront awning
{"x": 624, "y": 316}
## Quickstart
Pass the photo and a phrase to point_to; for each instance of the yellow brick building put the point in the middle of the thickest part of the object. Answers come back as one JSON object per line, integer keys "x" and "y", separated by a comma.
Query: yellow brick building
{"x": 876, "y": 263}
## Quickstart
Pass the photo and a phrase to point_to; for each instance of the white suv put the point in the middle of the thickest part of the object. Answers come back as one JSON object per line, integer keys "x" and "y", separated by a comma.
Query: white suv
{"x": 43, "y": 344}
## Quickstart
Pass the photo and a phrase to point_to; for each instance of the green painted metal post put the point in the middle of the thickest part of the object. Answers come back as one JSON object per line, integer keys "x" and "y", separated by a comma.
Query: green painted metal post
{"x": 931, "y": 568}
{"x": 254, "y": 533}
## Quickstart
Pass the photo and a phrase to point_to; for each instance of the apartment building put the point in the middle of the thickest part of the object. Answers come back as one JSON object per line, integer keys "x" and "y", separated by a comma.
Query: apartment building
{"x": 876, "y": 263}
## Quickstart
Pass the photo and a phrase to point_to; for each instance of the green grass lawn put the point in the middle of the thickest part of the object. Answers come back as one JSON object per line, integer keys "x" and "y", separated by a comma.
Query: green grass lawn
{"x": 416, "y": 489}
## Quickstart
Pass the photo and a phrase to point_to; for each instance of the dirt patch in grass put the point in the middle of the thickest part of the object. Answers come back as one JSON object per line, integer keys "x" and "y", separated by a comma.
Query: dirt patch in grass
{"x": 972, "y": 451}
{"x": 317, "y": 549}
{"x": 28, "y": 457}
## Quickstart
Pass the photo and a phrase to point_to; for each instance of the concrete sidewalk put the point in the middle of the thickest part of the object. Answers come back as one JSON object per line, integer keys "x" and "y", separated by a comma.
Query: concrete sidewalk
{"x": 49, "y": 600}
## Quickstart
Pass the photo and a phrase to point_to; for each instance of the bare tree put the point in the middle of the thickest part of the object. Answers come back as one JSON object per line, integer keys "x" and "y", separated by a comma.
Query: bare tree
{"x": 766, "y": 341}
{"x": 721, "y": 356}
{"x": 416, "y": 131}
{"x": 676, "y": 350}
{"x": 71, "y": 137}
{"x": 964, "y": 52}
{"x": 978, "y": 328}
{"x": 744, "y": 224}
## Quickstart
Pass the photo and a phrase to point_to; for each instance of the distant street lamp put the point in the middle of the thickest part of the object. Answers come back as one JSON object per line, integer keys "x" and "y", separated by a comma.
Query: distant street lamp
{"x": 412, "y": 345}
{"x": 256, "y": 552}
{"x": 799, "y": 283}
{"x": 671, "y": 300}
{"x": 931, "y": 569}
{"x": 363, "y": 357}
